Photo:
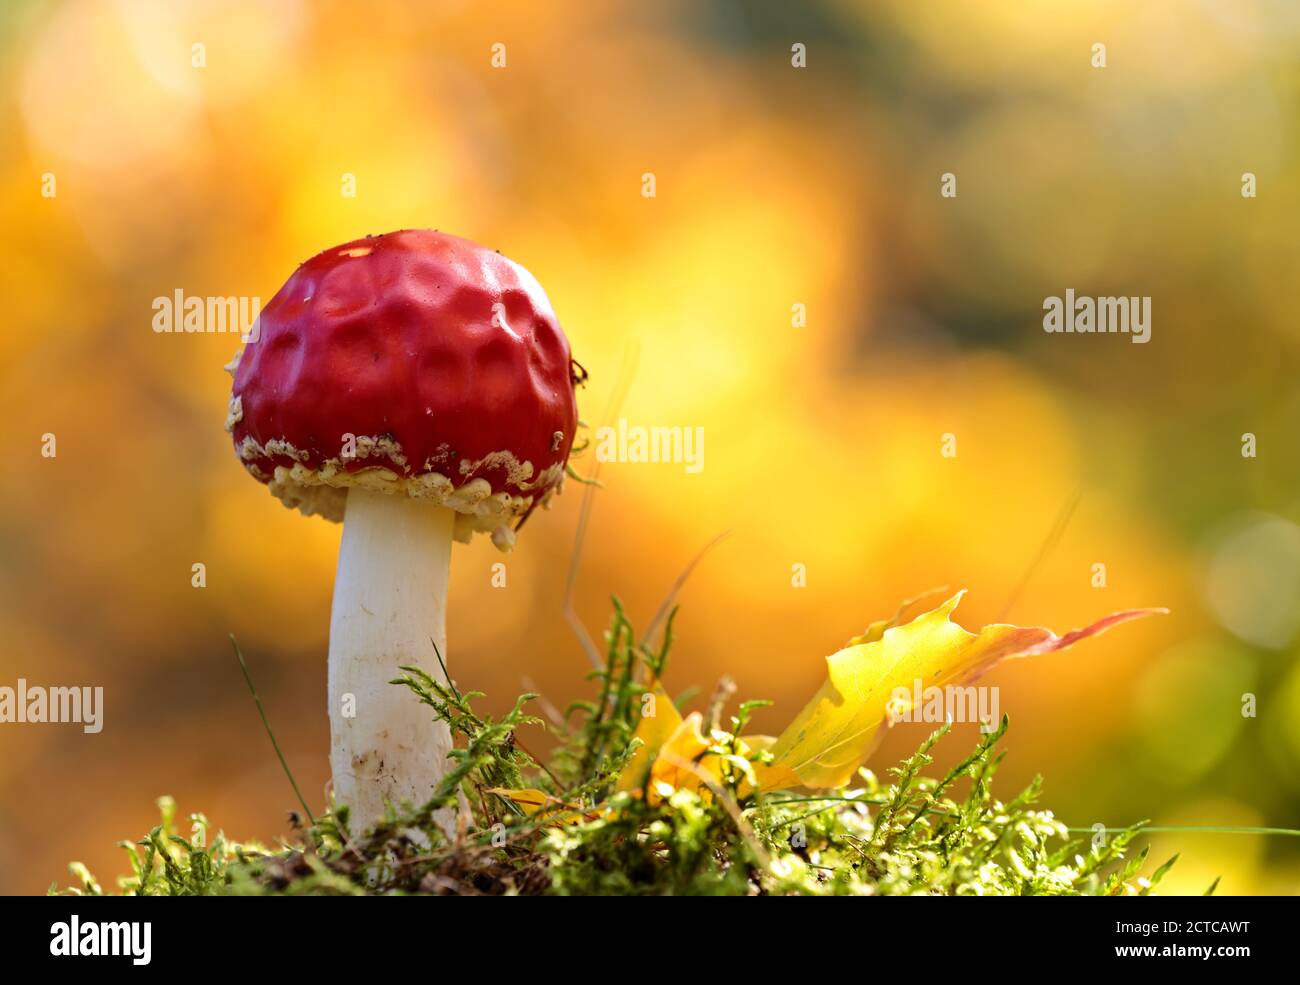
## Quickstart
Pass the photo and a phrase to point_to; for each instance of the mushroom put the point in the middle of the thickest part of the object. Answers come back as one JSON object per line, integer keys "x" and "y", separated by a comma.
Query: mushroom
{"x": 417, "y": 387}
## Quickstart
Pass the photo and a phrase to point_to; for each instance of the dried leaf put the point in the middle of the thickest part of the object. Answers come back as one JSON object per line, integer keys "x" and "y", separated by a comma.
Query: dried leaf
{"x": 533, "y": 801}
{"x": 653, "y": 731}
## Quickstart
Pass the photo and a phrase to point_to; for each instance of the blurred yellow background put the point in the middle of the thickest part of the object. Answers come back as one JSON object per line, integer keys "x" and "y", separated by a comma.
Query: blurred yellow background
{"x": 775, "y": 187}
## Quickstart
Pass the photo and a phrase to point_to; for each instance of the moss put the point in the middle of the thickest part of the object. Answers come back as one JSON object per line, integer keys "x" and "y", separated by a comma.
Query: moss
{"x": 914, "y": 834}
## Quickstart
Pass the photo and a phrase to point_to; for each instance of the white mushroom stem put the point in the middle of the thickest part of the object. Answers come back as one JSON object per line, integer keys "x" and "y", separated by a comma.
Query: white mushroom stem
{"x": 390, "y": 605}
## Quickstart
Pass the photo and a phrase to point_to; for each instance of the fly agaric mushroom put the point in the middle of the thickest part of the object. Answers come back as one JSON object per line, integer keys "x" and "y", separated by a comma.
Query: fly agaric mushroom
{"x": 418, "y": 387}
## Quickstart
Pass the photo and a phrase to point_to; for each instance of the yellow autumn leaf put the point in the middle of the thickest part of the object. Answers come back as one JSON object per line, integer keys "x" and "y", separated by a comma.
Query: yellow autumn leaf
{"x": 675, "y": 766}
{"x": 532, "y": 801}
{"x": 672, "y": 755}
{"x": 666, "y": 759}
{"x": 824, "y": 746}
{"x": 653, "y": 731}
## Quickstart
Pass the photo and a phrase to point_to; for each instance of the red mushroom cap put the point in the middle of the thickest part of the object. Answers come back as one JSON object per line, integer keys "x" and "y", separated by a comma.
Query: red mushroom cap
{"x": 416, "y": 363}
